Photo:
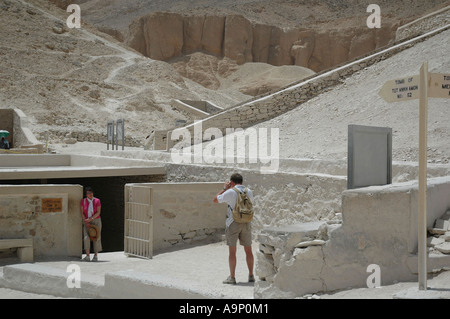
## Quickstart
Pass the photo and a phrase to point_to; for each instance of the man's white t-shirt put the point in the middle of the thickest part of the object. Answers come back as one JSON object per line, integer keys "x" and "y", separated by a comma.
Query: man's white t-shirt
{"x": 230, "y": 197}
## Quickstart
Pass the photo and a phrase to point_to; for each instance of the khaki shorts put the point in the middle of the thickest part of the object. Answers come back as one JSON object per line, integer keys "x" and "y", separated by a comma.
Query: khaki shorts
{"x": 243, "y": 231}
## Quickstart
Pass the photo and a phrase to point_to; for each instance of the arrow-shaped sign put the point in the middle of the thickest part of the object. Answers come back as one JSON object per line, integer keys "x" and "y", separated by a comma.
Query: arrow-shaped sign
{"x": 439, "y": 85}
{"x": 401, "y": 89}
{"x": 407, "y": 88}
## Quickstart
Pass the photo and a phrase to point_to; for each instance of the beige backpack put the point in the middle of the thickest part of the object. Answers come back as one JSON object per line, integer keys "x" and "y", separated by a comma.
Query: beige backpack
{"x": 243, "y": 211}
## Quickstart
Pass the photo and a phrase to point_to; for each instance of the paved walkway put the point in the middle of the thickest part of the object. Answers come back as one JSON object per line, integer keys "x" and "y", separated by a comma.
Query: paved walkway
{"x": 197, "y": 270}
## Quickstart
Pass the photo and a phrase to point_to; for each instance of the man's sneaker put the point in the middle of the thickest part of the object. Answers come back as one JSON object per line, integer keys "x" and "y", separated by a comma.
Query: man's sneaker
{"x": 95, "y": 258}
{"x": 86, "y": 258}
{"x": 230, "y": 281}
{"x": 251, "y": 278}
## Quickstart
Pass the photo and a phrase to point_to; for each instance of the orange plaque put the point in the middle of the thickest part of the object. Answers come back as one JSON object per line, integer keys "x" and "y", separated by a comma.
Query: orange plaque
{"x": 51, "y": 205}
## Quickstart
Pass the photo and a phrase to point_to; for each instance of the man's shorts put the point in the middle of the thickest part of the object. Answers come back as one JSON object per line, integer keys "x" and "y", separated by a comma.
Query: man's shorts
{"x": 243, "y": 231}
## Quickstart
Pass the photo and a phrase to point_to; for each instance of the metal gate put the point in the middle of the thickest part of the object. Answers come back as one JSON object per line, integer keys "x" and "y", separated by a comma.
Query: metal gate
{"x": 138, "y": 234}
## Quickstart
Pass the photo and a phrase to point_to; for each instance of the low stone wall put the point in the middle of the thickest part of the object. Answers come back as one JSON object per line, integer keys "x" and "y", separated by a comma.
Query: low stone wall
{"x": 379, "y": 227}
{"x": 279, "y": 199}
{"x": 424, "y": 24}
{"x": 71, "y": 137}
{"x": 49, "y": 214}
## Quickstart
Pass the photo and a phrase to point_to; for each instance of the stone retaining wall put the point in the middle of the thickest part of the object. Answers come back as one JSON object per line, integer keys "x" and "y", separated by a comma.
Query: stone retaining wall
{"x": 424, "y": 24}
{"x": 71, "y": 137}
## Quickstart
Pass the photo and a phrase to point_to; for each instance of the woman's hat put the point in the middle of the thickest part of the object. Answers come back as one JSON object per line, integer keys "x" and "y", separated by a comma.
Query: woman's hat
{"x": 93, "y": 232}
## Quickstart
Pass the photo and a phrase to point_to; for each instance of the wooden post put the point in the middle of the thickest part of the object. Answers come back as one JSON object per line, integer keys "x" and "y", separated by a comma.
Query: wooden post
{"x": 422, "y": 216}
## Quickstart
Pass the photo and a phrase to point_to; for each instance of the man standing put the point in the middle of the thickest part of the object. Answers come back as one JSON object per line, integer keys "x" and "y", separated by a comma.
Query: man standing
{"x": 235, "y": 230}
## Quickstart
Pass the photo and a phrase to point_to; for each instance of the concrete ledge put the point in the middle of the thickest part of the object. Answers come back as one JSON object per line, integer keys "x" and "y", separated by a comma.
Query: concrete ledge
{"x": 430, "y": 293}
{"x": 48, "y": 280}
{"x": 76, "y": 172}
{"x": 19, "y": 160}
{"x": 131, "y": 284}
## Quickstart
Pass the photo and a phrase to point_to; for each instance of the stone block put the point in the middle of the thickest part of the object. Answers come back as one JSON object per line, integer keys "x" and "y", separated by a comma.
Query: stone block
{"x": 443, "y": 248}
{"x": 433, "y": 241}
{"x": 446, "y": 236}
{"x": 264, "y": 267}
{"x": 25, "y": 254}
{"x": 315, "y": 242}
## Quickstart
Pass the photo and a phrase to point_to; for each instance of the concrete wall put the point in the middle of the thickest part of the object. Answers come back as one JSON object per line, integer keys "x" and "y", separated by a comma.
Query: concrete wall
{"x": 184, "y": 213}
{"x": 25, "y": 214}
{"x": 379, "y": 227}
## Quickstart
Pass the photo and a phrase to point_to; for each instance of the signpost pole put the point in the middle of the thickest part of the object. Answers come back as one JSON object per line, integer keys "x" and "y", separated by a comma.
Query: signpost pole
{"x": 422, "y": 216}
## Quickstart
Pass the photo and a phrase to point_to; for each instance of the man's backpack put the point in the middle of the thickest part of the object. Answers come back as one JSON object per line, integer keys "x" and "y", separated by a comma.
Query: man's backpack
{"x": 243, "y": 211}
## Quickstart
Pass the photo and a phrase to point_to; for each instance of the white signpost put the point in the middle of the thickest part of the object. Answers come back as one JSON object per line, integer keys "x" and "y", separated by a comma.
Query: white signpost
{"x": 420, "y": 87}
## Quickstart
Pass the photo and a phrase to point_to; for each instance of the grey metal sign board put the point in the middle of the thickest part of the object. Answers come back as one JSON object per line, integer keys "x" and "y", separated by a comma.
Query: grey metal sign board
{"x": 110, "y": 134}
{"x": 369, "y": 156}
{"x": 120, "y": 133}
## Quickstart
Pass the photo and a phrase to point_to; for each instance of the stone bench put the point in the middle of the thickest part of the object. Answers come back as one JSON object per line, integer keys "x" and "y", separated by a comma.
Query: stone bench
{"x": 24, "y": 248}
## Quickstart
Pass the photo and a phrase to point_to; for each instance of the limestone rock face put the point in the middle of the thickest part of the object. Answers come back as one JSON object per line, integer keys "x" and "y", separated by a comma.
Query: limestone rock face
{"x": 163, "y": 36}
{"x": 238, "y": 39}
{"x": 163, "y": 33}
{"x": 192, "y": 33}
{"x": 212, "y": 39}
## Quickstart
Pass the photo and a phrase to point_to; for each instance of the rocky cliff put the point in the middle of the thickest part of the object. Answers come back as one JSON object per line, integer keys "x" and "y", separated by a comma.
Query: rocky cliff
{"x": 163, "y": 35}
